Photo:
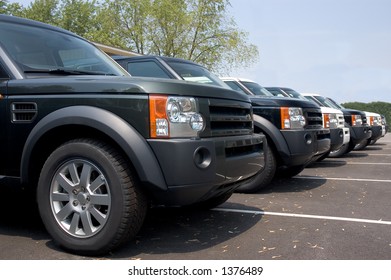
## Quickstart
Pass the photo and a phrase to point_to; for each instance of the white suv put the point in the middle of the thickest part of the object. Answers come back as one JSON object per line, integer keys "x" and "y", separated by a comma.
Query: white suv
{"x": 334, "y": 120}
{"x": 374, "y": 120}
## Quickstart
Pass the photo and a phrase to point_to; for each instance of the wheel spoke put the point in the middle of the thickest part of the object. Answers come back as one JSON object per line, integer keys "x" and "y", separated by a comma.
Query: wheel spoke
{"x": 86, "y": 222}
{"x": 99, "y": 216}
{"x": 74, "y": 223}
{"x": 60, "y": 196}
{"x": 64, "y": 182}
{"x": 73, "y": 172}
{"x": 85, "y": 175}
{"x": 99, "y": 181}
{"x": 100, "y": 199}
{"x": 64, "y": 212}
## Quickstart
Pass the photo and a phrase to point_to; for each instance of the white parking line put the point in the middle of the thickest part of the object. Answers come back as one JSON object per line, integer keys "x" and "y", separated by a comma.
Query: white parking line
{"x": 353, "y": 162}
{"x": 341, "y": 179}
{"x": 261, "y": 212}
{"x": 369, "y": 163}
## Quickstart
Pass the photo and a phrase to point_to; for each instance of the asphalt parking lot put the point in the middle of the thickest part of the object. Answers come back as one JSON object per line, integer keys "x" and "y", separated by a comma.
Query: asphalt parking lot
{"x": 337, "y": 209}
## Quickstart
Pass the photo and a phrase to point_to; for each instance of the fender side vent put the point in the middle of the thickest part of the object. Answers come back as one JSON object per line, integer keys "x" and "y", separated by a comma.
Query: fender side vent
{"x": 23, "y": 112}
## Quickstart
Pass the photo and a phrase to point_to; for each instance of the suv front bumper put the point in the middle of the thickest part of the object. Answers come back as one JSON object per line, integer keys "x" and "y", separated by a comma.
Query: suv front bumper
{"x": 377, "y": 132}
{"x": 339, "y": 137}
{"x": 305, "y": 145}
{"x": 360, "y": 133}
{"x": 199, "y": 169}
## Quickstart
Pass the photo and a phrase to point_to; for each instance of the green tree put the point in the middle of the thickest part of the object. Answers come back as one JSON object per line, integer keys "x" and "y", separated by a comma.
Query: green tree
{"x": 123, "y": 24}
{"x": 3, "y": 7}
{"x": 14, "y": 9}
{"x": 77, "y": 16}
{"x": 43, "y": 10}
{"x": 197, "y": 30}
{"x": 382, "y": 108}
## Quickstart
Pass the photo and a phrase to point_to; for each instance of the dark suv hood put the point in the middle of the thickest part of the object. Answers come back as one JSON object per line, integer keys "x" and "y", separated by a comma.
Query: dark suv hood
{"x": 282, "y": 102}
{"x": 350, "y": 112}
{"x": 121, "y": 85}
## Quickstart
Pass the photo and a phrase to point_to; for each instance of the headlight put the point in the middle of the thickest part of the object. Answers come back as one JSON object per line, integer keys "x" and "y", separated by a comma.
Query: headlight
{"x": 356, "y": 120}
{"x": 330, "y": 121}
{"x": 377, "y": 121}
{"x": 174, "y": 117}
{"x": 292, "y": 118}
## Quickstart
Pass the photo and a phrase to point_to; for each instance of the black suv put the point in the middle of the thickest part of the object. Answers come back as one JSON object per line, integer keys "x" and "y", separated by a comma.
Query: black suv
{"x": 98, "y": 146}
{"x": 360, "y": 130}
{"x": 293, "y": 128}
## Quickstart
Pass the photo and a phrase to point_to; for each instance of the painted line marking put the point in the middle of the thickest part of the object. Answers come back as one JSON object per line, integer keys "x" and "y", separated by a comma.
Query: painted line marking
{"x": 340, "y": 179}
{"x": 352, "y": 162}
{"x": 261, "y": 212}
{"x": 369, "y": 163}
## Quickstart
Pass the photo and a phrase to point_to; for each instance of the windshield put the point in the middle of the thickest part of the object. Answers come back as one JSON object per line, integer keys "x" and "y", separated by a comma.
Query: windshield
{"x": 256, "y": 89}
{"x": 334, "y": 104}
{"x": 327, "y": 102}
{"x": 294, "y": 94}
{"x": 44, "y": 51}
{"x": 314, "y": 100}
{"x": 195, "y": 73}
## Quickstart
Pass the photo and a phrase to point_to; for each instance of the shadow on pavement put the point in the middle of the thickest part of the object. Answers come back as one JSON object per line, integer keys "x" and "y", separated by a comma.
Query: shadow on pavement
{"x": 165, "y": 230}
{"x": 294, "y": 184}
{"x": 327, "y": 163}
{"x": 170, "y": 231}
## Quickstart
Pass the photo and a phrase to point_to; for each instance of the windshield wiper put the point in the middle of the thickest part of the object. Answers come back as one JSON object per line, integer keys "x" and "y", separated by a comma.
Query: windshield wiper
{"x": 60, "y": 71}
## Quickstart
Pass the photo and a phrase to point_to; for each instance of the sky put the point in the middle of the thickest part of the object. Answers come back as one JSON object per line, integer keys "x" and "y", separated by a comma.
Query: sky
{"x": 338, "y": 48}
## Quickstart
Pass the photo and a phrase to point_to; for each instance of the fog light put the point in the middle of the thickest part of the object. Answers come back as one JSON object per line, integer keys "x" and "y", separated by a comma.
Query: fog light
{"x": 202, "y": 157}
{"x": 308, "y": 139}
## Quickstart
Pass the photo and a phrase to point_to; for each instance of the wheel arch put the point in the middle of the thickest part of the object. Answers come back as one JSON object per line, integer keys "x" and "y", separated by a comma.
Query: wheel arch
{"x": 274, "y": 137}
{"x": 86, "y": 121}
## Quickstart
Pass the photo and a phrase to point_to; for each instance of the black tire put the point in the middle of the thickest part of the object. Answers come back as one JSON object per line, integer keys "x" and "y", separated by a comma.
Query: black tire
{"x": 88, "y": 198}
{"x": 373, "y": 142}
{"x": 264, "y": 177}
{"x": 350, "y": 147}
{"x": 362, "y": 145}
{"x": 339, "y": 152}
{"x": 211, "y": 202}
{"x": 290, "y": 171}
{"x": 322, "y": 157}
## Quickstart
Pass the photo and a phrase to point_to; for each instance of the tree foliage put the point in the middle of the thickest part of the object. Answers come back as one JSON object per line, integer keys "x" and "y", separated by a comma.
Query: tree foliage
{"x": 382, "y": 108}
{"x": 197, "y": 30}
{"x": 3, "y": 7}
{"x": 10, "y": 8}
{"x": 43, "y": 10}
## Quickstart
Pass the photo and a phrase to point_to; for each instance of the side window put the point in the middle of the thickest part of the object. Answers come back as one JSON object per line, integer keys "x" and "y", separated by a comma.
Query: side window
{"x": 3, "y": 74}
{"x": 146, "y": 69}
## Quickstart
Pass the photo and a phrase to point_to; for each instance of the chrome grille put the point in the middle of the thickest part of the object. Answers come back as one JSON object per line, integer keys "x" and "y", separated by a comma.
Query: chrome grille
{"x": 314, "y": 118}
